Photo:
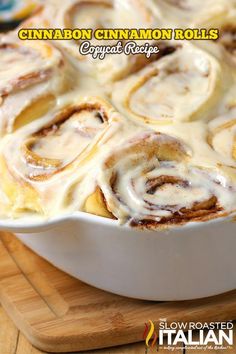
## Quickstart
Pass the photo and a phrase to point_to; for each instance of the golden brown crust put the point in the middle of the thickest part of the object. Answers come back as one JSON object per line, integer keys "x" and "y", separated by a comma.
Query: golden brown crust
{"x": 96, "y": 204}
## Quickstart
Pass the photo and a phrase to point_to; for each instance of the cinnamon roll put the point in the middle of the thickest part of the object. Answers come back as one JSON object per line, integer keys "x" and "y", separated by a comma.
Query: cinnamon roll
{"x": 182, "y": 86}
{"x": 102, "y": 14}
{"x": 164, "y": 154}
{"x": 32, "y": 74}
{"x": 47, "y": 153}
{"x": 150, "y": 182}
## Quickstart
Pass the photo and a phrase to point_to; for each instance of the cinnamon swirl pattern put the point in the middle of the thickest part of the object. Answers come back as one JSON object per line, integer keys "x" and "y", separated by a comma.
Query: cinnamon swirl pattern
{"x": 178, "y": 87}
{"x": 147, "y": 143}
{"x": 67, "y": 140}
{"x": 149, "y": 181}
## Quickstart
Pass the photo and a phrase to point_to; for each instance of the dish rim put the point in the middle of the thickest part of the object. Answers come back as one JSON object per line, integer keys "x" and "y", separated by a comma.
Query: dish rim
{"x": 37, "y": 224}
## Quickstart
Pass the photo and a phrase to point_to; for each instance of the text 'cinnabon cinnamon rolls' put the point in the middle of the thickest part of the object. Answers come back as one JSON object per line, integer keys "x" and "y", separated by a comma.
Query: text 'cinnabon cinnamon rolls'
{"x": 100, "y": 14}
{"x": 40, "y": 162}
{"x": 31, "y": 76}
{"x": 150, "y": 182}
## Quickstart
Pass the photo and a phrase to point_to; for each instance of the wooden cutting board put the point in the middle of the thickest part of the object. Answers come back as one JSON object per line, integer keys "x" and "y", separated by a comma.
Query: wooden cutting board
{"x": 58, "y": 313}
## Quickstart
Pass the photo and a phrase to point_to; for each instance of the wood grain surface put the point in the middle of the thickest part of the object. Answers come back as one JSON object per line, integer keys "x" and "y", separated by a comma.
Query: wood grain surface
{"x": 58, "y": 313}
{"x": 14, "y": 342}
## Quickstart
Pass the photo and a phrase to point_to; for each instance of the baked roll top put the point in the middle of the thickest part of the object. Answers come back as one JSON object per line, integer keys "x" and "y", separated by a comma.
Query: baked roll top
{"x": 181, "y": 86}
{"x": 150, "y": 182}
{"x": 101, "y": 14}
{"x": 41, "y": 159}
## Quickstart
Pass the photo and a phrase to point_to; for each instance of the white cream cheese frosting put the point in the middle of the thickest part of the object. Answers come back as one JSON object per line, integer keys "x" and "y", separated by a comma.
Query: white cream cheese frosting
{"x": 158, "y": 140}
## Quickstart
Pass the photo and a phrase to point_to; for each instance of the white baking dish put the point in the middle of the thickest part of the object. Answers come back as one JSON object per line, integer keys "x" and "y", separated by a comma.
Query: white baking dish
{"x": 187, "y": 262}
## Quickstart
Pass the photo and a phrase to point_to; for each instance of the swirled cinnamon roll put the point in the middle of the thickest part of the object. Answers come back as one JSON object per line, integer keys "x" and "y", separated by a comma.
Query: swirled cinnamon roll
{"x": 43, "y": 156}
{"x": 182, "y": 86}
{"x": 103, "y": 14}
{"x": 31, "y": 76}
{"x": 150, "y": 182}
